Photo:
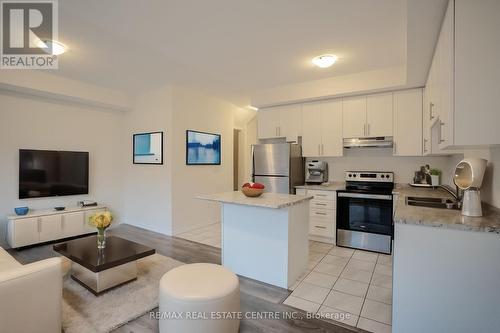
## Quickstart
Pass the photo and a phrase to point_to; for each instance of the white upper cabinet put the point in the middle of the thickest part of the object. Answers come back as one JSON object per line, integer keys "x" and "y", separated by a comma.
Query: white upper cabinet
{"x": 311, "y": 129}
{"x": 354, "y": 117}
{"x": 280, "y": 122}
{"x": 268, "y": 122}
{"x": 322, "y": 128}
{"x": 290, "y": 126}
{"x": 461, "y": 107}
{"x": 331, "y": 128}
{"x": 408, "y": 123}
{"x": 365, "y": 116}
{"x": 379, "y": 115}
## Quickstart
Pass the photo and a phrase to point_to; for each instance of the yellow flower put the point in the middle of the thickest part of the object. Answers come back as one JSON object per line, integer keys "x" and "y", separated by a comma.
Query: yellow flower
{"x": 101, "y": 220}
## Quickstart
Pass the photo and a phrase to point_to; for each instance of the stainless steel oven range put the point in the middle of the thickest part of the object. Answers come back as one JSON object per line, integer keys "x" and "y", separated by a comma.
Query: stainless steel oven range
{"x": 364, "y": 211}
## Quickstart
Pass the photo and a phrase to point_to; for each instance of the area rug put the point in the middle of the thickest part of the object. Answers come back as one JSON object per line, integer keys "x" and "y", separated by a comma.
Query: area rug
{"x": 84, "y": 312}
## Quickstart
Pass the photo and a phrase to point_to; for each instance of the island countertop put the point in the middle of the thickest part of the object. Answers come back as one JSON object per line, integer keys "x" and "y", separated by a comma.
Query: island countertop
{"x": 267, "y": 200}
{"x": 442, "y": 218}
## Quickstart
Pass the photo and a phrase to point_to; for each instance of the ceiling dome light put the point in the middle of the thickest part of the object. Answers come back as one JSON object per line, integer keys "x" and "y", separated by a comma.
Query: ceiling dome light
{"x": 57, "y": 47}
{"x": 325, "y": 60}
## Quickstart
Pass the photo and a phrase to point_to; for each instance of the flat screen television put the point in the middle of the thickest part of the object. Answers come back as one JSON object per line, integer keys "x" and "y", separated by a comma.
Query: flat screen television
{"x": 49, "y": 173}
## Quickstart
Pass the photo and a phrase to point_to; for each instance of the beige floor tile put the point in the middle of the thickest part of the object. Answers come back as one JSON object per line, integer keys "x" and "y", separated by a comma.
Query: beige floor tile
{"x": 373, "y": 326}
{"x": 341, "y": 252}
{"x": 316, "y": 256}
{"x": 321, "y": 280}
{"x": 379, "y": 294}
{"x": 351, "y": 287}
{"x": 377, "y": 311}
{"x": 366, "y": 256}
{"x": 302, "y": 304}
{"x": 381, "y": 280}
{"x": 346, "y": 302}
{"x": 311, "y": 292}
{"x": 338, "y": 315}
{"x": 383, "y": 269}
{"x": 320, "y": 247}
{"x": 384, "y": 259}
{"x": 328, "y": 259}
{"x": 356, "y": 275}
{"x": 361, "y": 265}
{"x": 328, "y": 269}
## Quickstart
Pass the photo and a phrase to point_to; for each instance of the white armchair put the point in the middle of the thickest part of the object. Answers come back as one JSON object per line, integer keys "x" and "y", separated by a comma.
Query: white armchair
{"x": 30, "y": 295}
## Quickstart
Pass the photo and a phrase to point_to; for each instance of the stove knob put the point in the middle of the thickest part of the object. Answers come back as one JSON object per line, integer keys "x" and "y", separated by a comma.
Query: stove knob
{"x": 350, "y": 175}
{"x": 387, "y": 176}
{"x": 354, "y": 175}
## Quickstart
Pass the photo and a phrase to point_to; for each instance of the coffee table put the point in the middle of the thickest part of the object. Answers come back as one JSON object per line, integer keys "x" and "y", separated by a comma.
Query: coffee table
{"x": 100, "y": 270}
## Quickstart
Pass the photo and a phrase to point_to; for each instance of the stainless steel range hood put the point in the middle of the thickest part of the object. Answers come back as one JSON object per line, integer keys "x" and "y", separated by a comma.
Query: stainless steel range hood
{"x": 370, "y": 142}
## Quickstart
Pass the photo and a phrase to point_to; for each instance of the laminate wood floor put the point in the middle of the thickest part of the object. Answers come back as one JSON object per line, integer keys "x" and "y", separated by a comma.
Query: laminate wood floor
{"x": 255, "y": 296}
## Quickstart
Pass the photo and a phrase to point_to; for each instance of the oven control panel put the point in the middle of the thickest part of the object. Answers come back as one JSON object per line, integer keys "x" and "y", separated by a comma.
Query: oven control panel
{"x": 368, "y": 176}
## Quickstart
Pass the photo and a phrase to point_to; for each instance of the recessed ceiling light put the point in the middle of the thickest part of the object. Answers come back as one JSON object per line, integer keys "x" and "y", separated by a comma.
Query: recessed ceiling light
{"x": 56, "y": 47}
{"x": 325, "y": 60}
{"x": 251, "y": 107}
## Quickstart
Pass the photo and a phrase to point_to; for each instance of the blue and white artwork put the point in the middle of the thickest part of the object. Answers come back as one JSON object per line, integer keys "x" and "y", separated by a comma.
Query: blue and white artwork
{"x": 202, "y": 148}
{"x": 148, "y": 148}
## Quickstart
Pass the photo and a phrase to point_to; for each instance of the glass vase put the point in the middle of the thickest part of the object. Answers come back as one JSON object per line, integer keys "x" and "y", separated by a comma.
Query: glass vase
{"x": 101, "y": 238}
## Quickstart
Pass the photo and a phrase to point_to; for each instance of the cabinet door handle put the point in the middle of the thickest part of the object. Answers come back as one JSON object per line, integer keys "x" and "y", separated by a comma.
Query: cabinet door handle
{"x": 320, "y": 204}
{"x": 62, "y": 221}
{"x": 320, "y": 226}
{"x": 395, "y": 148}
{"x": 318, "y": 213}
{"x": 322, "y": 150}
{"x": 39, "y": 225}
{"x": 431, "y": 107}
{"x": 279, "y": 130}
{"x": 368, "y": 129}
{"x": 425, "y": 145}
{"x": 441, "y": 140}
{"x": 319, "y": 150}
{"x": 364, "y": 129}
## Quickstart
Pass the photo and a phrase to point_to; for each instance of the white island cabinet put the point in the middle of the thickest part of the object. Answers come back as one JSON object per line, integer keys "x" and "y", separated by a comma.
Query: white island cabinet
{"x": 265, "y": 238}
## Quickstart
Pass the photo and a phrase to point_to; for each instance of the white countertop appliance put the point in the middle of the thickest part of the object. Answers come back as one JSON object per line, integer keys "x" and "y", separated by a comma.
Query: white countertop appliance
{"x": 317, "y": 172}
{"x": 469, "y": 174}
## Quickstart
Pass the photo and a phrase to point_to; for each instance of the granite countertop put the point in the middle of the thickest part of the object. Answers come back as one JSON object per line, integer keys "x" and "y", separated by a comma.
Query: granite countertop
{"x": 442, "y": 218}
{"x": 267, "y": 200}
{"x": 331, "y": 186}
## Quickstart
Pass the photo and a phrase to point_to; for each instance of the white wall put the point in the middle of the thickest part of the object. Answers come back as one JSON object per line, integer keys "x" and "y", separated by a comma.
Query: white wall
{"x": 36, "y": 123}
{"x": 197, "y": 111}
{"x": 381, "y": 159}
{"x": 147, "y": 190}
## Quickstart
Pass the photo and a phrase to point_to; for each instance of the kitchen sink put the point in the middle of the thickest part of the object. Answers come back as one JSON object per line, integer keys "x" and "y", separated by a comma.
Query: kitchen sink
{"x": 433, "y": 202}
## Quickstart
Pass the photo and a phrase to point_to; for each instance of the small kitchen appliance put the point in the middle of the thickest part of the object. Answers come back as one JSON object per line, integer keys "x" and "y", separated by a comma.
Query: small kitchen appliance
{"x": 468, "y": 177}
{"x": 317, "y": 172}
{"x": 365, "y": 210}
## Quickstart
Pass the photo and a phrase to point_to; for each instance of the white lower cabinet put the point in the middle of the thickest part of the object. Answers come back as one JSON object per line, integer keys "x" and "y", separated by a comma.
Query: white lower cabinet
{"x": 25, "y": 233}
{"x": 72, "y": 224}
{"x": 50, "y": 228}
{"x": 322, "y": 215}
{"x": 46, "y": 226}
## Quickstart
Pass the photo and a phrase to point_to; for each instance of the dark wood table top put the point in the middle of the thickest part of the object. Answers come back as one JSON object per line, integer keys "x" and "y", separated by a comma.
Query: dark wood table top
{"x": 118, "y": 251}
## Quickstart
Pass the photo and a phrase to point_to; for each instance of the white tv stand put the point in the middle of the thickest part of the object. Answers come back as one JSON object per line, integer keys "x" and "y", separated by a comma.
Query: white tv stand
{"x": 41, "y": 226}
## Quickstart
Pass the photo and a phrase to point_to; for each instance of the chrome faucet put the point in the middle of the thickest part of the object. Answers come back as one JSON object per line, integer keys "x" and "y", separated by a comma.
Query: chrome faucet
{"x": 457, "y": 193}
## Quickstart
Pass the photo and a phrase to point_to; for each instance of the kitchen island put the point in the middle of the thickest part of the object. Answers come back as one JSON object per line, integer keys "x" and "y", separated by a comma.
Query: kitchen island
{"x": 446, "y": 268}
{"x": 265, "y": 238}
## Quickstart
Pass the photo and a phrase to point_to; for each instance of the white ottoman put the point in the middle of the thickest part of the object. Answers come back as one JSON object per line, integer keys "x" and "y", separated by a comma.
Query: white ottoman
{"x": 199, "y": 298}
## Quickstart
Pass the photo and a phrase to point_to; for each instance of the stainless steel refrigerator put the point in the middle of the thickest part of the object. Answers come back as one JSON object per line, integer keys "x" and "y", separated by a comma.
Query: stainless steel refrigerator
{"x": 279, "y": 166}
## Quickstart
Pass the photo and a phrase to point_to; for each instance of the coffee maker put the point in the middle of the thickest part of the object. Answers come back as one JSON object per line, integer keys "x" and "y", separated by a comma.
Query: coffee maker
{"x": 317, "y": 172}
{"x": 468, "y": 177}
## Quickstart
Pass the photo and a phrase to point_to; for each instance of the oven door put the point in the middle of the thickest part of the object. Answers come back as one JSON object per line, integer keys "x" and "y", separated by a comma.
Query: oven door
{"x": 365, "y": 221}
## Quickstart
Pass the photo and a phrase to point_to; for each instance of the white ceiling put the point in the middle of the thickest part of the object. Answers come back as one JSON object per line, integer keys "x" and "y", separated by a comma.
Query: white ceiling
{"x": 233, "y": 48}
